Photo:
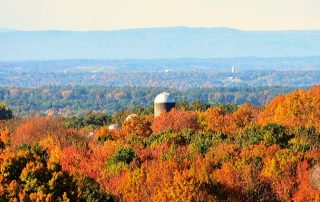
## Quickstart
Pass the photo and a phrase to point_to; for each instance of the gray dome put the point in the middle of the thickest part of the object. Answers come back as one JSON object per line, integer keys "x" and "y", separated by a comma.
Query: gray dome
{"x": 164, "y": 98}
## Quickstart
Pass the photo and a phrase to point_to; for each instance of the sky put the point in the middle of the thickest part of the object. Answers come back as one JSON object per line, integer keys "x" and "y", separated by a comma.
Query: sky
{"x": 83, "y": 15}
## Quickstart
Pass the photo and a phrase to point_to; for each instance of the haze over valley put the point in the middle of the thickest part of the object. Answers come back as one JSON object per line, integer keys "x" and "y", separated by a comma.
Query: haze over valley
{"x": 157, "y": 43}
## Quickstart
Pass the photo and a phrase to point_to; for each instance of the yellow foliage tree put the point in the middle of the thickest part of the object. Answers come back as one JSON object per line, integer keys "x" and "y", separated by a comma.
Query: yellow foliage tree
{"x": 299, "y": 108}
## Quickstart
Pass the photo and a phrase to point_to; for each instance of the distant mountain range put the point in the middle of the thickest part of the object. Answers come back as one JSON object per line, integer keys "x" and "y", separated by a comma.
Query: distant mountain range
{"x": 175, "y": 42}
{"x": 5, "y": 30}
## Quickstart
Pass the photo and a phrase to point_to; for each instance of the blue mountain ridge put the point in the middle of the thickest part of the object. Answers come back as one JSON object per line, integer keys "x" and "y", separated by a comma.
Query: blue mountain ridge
{"x": 172, "y": 42}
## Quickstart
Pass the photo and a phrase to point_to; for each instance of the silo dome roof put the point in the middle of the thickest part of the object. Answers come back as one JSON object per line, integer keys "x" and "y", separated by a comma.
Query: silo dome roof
{"x": 164, "y": 98}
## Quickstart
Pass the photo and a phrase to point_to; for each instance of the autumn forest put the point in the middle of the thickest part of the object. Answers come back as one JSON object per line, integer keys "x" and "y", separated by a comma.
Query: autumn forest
{"x": 195, "y": 152}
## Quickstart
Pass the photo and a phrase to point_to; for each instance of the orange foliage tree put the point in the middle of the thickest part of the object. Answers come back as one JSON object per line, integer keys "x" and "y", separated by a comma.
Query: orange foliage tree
{"x": 175, "y": 120}
{"x": 35, "y": 129}
{"x": 245, "y": 115}
{"x": 299, "y": 108}
{"x": 306, "y": 191}
{"x": 216, "y": 119}
{"x": 139, "y": 125}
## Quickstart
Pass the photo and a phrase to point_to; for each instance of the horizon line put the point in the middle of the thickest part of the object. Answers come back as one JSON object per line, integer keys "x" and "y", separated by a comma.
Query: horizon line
{"x": 5, "y": 29}
{"x": 177, "y": 58}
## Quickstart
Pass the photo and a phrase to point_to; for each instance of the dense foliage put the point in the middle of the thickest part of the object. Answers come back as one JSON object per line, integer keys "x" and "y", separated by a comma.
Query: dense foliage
{"x": 29, "y": 174}
{"x": 216, "y": 153}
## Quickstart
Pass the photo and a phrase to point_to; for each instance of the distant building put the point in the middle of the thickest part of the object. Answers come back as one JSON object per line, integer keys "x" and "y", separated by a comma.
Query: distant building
{"x": 163, "y": 102}
{"x": 233, "y": 69}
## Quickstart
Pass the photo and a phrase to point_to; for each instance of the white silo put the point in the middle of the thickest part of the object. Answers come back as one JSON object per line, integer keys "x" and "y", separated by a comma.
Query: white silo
{"x": 163, "y": 102}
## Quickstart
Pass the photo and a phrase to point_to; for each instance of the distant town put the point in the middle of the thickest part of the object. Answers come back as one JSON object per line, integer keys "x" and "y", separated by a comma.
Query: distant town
{"x": 168, "y": 73}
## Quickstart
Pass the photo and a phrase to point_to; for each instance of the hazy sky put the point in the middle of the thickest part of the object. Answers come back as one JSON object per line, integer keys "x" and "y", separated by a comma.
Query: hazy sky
{"x": 121, "y": 14}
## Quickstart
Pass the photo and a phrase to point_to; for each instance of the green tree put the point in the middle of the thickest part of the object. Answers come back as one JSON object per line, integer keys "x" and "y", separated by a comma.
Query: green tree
{"x": 5, "y": 112}
{"x": 275, "y": 134}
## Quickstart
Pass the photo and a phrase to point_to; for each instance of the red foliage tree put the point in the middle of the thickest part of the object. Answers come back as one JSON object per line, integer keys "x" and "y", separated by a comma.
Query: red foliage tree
{"x": 305, "y": 192}
{"x": 35, "y": 129}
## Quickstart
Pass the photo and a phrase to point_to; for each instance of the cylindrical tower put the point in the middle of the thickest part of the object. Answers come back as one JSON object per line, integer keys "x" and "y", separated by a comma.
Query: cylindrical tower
{"x": 163, "y": 102}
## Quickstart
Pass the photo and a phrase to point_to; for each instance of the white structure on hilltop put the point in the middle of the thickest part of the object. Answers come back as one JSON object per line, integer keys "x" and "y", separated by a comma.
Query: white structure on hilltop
{"x": 163, "y": 102}
{"x": 233, "y": 69}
